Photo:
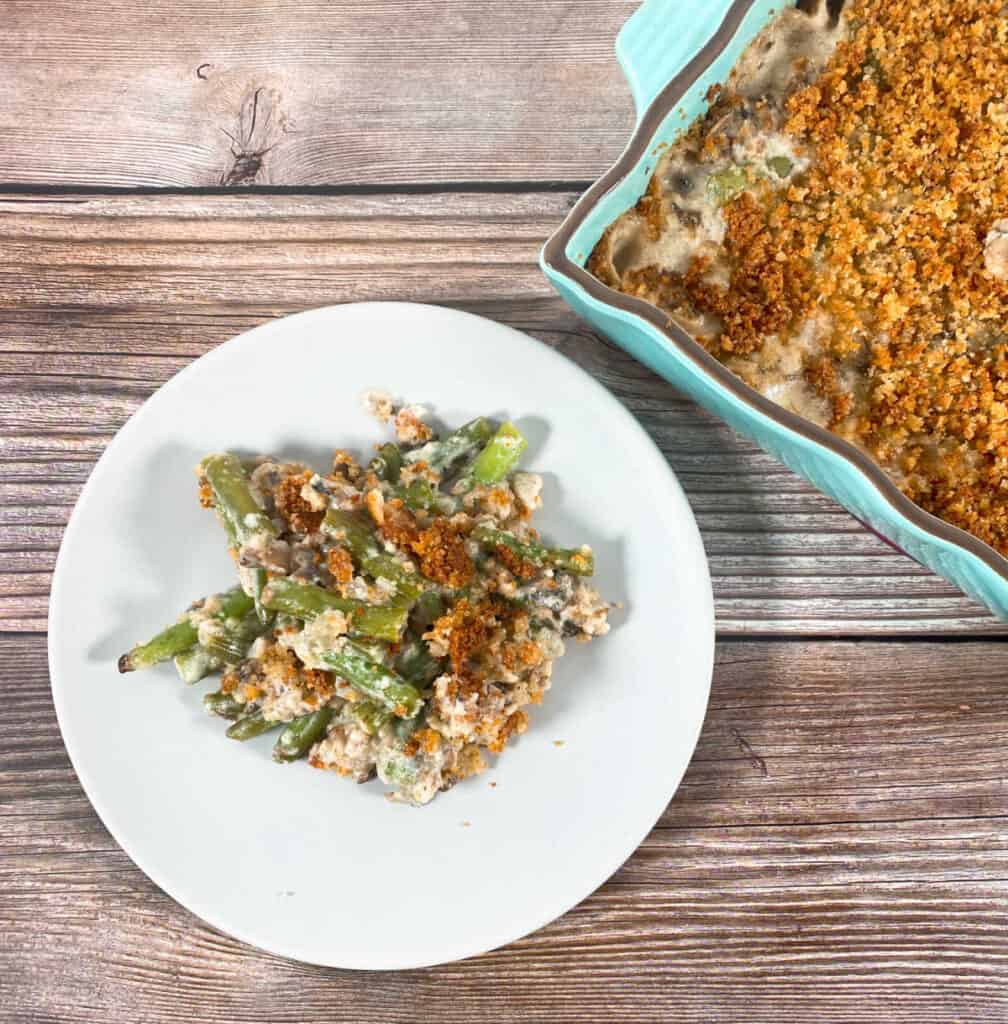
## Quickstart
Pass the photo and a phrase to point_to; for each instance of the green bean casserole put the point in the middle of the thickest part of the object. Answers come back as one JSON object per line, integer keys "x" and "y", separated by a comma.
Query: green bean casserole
{"x": 392, "y": 619}
{"x": 835, "y": 232}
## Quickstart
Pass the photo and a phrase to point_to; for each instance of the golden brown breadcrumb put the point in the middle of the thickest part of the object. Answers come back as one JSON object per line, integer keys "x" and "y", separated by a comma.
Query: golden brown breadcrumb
{"x": 882, "y": 239}
{"x": 442, "y": 553}
{"x": 206, "y": 495}
{"x": 515, "y": 724}
{"x": 301, "y": 516}
{"x": 276, "y": 666}
{"x": 346, "y": 466}
{"x": 470, "y": 628}
{"x": 340, "y": 564}
{"x": 515, "y": 564}
{"x": 770, "y": 285}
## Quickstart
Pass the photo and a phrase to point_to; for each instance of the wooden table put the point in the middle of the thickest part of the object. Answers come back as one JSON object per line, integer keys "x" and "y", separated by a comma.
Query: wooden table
{"x": 175, "y": 173}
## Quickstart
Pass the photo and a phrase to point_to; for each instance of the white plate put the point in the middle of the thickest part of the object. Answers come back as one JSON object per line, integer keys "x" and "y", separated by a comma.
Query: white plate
{"x": 301, "y": 862}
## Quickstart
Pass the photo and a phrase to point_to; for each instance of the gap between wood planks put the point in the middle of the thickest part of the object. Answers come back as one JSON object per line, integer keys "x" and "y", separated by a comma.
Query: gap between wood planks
{"x": 109, "y": 294}
{"x": 32, "y": 193}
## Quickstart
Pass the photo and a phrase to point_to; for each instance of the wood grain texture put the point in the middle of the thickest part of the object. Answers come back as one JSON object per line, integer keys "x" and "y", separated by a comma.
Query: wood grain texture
{"x": 103, "y": 299}
{"x": 838, "y": 849}
{"x": 839, "y": 845}
{"x": 241, "y": 93}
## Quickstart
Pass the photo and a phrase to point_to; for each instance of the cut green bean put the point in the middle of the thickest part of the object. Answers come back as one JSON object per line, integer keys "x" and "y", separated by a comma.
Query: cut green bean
{"x": 228, "y": 640}
{"x": 195, "y": 664}
{"x": 352, "y": 531}
{"x": 354, "y": 664}
{"x": 224, "y": 705}
{"x": 500, "y": 455}
{"x": 306, "y": 601}
{"x": 369, "y": 715}
{"x": 349, "y": 529}
{"x": 416, "y": 664}
{"x": 233, "y": 498}
{"x": 233, "y": 604}
{"x": 428, "y": 609}
{"x": 302, "y": 734}
{"x": 243, "y": 518}
{"x": 387, "y": 464}
{"x": 167, "y": 644}
{"x": 724, "y": 186}
{"x": 780, "y": 165}
{"x": 579, "y": 561}
{"x": 419, "y": 494}
{"x": 440, "y": 454}
{"x": 179, "y": 637}
{"x": 250, "y": 726}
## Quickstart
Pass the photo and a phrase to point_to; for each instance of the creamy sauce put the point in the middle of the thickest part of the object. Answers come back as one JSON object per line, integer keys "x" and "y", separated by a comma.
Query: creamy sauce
{"x": 693, "y": 188}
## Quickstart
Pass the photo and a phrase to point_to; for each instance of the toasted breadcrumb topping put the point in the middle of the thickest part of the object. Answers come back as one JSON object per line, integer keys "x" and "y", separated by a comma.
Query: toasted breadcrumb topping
{"x": 340, "y": 564}
{"x": 885, "y": 259}
{"x": 304, "y": 516}
{"x": 442, "y": 553}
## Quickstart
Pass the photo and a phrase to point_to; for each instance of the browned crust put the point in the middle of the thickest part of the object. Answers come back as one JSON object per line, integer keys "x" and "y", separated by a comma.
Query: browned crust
{"x": 911, "y": 109}
{"x": 442, "y": 554}
{"x": 289, "y": 503}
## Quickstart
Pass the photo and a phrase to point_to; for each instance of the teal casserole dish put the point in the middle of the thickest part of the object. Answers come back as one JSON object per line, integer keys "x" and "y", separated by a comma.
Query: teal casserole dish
{"x": 672, "y": 54}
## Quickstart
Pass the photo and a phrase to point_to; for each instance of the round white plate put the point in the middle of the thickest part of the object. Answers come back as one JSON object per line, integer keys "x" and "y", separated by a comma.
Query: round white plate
{"x": 303, "y": 863}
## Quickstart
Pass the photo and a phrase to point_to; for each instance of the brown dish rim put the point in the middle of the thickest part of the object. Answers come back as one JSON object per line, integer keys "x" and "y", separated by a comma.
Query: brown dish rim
{"x": 555, "y": 255}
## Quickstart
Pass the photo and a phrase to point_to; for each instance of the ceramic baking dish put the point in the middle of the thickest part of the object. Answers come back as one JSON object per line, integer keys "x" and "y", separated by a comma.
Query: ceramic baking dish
{"x": 671, "y": 53}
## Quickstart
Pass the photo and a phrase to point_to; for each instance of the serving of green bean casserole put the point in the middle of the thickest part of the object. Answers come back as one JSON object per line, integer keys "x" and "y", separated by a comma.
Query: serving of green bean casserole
{"x": 392, "y": 618}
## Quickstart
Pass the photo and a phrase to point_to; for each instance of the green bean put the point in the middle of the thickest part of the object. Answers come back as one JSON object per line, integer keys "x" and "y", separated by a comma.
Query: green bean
{"x": 780, "y": 165}
{"x": 352, "y": 531}
{"x": 233, "y": 497}
{"x": 228, "y": 640}
{"x": 233, "y": 604}
{"x": 415, "y": 663}
{"x": 387, "y": 464}
{"x": 398, "y": 769}
{"x": 440, "y": 454}
{"x": 306, "y": 601}
{"x": 251, "y": 725}
{"x": 302, "y": 734}
{"x": 723, "y": 186}
{"x": 241, "y": 515}
{"x": 428, "y": 609}
{"x": 354, "y": 664}
{"x": 180, "y": 636}
{"x": 374, "y": 650}
{"x": 167, "y": 644}
{"x": 387, "y": 567}
{"x": 256, "y": 583}
{"x": 363, "y": 545}
{"x": 579, "y": 561}
{"x": 195, "y": 663}
{"x": 500, "y": 455}
{"x": 369, "y": 715}
{"x": 223, "y": 704}
{"x": 419, "y": 494}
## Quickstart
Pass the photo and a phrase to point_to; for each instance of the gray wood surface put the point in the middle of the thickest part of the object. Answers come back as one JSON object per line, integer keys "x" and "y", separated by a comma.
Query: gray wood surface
{"x": 836, "y": 853}
{"x": 837, "y": 850}
{"x": 239, "y": 92}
